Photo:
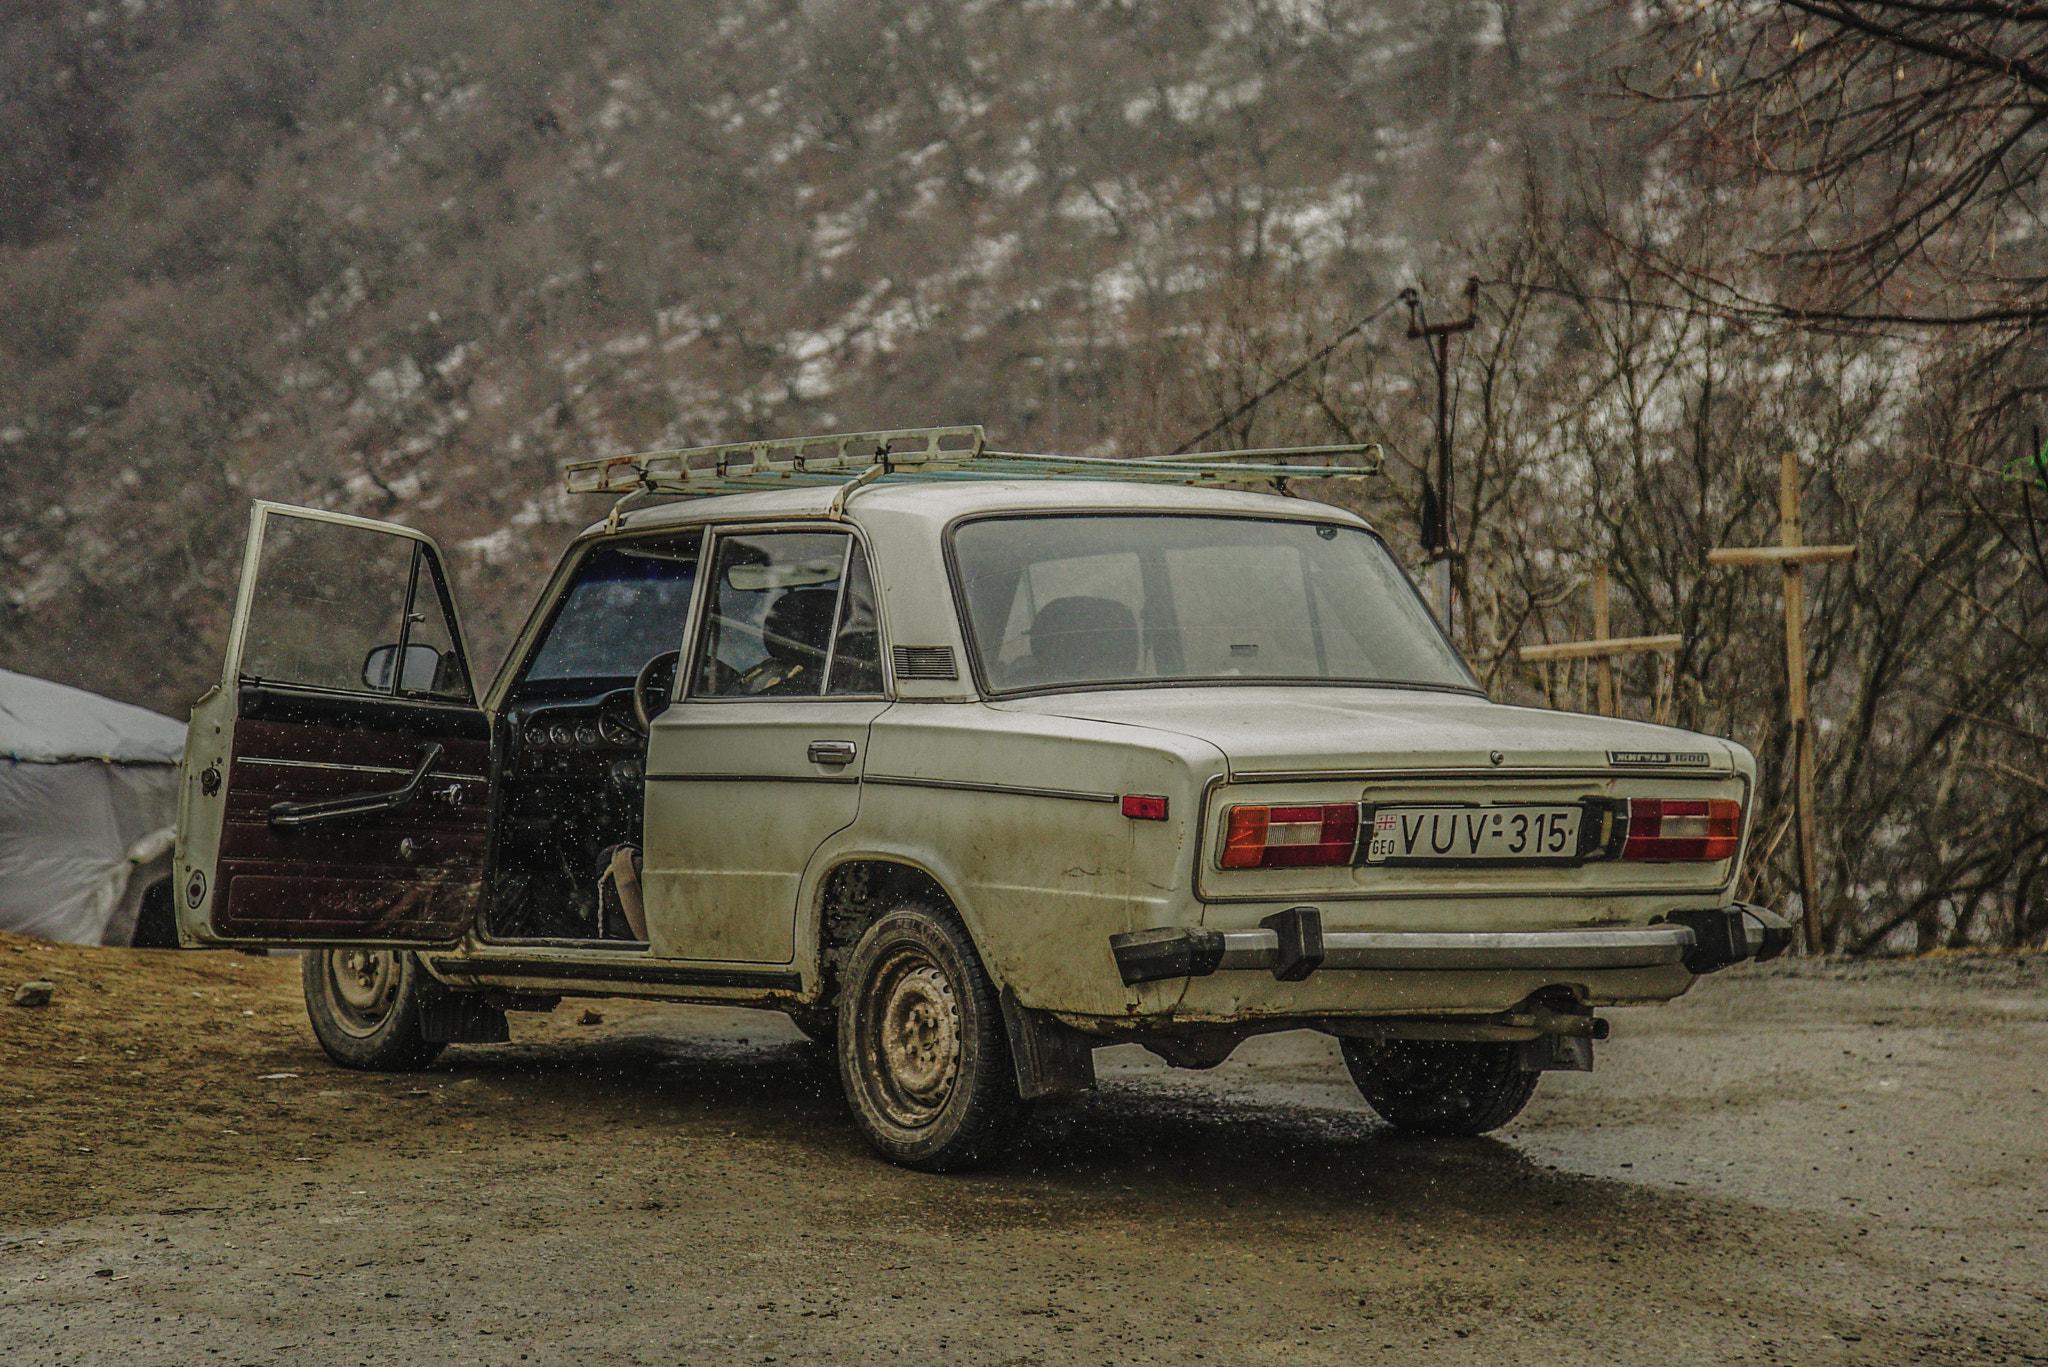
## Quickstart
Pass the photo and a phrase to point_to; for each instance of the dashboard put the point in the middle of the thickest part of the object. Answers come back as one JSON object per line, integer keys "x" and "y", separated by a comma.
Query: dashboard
{"x": 555, "y": 736}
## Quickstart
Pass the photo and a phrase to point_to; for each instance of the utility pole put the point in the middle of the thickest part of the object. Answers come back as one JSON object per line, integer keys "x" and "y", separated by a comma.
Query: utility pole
{"x": 1793, "y": 558}
{"x": 1437, "y": 542}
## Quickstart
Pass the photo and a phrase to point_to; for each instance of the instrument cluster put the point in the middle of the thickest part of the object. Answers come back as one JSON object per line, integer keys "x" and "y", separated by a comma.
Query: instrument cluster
{"x": 557, "y": 732}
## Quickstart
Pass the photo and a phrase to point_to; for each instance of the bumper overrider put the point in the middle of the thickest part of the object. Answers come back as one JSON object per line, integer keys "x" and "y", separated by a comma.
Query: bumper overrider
{"x": 1292, "y": 944}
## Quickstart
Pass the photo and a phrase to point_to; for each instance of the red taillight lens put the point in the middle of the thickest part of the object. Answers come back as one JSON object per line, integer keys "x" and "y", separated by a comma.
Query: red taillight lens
{"x": 1140, "y": 807}
{"x": 1290, "y": 837}
{"x": 1697, "y": 832}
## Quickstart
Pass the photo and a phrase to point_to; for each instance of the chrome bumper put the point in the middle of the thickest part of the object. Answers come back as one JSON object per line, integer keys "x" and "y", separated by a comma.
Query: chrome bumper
{"x": 1293, "y": 944}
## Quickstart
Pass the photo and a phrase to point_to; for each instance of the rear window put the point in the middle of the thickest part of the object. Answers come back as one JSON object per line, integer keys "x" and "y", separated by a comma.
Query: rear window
{"x": 1067, "y": 601}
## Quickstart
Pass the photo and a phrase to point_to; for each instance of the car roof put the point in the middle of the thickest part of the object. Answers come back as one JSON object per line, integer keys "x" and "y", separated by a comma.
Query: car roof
{"x": 940, "y": 501}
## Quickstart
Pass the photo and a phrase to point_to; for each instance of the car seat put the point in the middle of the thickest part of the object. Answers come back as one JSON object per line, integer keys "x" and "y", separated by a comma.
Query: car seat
{"x": 794, "y": 634}
{"x": 1074, "y": 639}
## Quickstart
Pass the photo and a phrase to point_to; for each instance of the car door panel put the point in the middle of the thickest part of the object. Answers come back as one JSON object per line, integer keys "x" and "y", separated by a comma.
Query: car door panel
{"x": 307, "y": 714}
{"x": 735, "y": 809}
{"x": 411, "y": 873}
{"x": 759, "y": 764}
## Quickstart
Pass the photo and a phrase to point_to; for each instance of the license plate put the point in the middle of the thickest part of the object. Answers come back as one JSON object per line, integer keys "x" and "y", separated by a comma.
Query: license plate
{"x": 1475, "y": 835}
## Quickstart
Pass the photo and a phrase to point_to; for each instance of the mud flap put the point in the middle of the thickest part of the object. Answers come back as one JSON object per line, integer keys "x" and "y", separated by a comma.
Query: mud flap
{"x": 1555, "y": 1054}
{"x": 1050, "y": 1057}
{"x": 459, "y": 1017}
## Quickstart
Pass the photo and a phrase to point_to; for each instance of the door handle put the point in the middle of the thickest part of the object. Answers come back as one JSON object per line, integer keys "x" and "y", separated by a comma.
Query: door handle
{"x": 833, "y": 751}
{"x": 290, "y": 815}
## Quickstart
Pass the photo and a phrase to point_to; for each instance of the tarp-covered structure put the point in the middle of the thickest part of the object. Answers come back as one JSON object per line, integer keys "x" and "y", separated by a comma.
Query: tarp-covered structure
{"x": 88, "y": 809}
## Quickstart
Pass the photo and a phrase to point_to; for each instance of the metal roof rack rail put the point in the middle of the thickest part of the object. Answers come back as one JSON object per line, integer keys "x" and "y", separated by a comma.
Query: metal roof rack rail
{"x": 854, "y": 459}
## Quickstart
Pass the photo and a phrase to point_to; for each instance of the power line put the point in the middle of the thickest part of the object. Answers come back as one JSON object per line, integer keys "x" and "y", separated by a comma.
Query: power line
{"x": 1270, "y": 390}
{"x": 1853, "y": 325}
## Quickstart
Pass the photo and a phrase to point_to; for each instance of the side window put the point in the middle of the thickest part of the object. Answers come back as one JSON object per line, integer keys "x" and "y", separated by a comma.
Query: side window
{"x": 339, "y": 607}
{"x": 429, "y": 629}
{"x": 857, "y": 644}
{"x": 628, "y": 603}
{"x": 781, "y": 609}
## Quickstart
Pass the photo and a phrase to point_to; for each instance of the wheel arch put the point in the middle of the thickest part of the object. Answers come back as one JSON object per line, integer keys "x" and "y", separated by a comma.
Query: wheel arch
{"x": 857, "y": 886}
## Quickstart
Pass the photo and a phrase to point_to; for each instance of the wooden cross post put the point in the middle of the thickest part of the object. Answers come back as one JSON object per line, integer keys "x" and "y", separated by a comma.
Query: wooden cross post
{"x": 1793, "y": 558}
{"x": 1602, "y": 649}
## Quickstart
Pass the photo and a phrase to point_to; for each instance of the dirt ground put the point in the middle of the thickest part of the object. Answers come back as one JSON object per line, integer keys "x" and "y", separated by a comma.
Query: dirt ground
{"x": 1807, "y": 1163}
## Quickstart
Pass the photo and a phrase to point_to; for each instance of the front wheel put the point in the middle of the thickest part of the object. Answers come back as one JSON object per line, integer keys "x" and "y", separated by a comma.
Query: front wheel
{"x": 1441, "y": 1087}
{"x": 365, "y": 1005}
{"x": 921, "y": 1048}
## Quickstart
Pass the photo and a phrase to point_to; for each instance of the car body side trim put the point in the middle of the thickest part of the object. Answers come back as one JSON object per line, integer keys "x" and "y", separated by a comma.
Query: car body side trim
{"x": 753, "y": 778}
{"x": 1009, "y": 789}
{"x": 1491, "y": 774}
{"x": 768, "y": 979}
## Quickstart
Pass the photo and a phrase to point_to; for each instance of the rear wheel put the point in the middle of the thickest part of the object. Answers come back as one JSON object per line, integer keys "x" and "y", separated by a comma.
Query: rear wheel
{"x": 921, "y": 1048}
{"x": 1441, "y": 1087}
{"x": 365, "y": 1005}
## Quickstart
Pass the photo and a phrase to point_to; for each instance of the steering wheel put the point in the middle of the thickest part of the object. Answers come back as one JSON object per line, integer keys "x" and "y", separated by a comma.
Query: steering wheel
{"x": 657, "y": 677}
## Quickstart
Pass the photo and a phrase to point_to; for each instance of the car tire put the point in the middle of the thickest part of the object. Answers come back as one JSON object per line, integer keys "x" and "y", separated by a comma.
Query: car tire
{"x": 922, "y": 1054}
{"x": 365, "y": 1005}
{"x": 1440, "y": 1087}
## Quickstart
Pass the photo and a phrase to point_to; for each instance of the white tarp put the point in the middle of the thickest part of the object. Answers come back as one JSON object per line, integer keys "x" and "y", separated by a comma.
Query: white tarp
{"x": 88, "y": 798}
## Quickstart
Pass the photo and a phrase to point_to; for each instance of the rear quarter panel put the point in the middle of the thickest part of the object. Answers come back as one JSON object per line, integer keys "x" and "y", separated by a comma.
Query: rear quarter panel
{"x": 1018, "y": 817}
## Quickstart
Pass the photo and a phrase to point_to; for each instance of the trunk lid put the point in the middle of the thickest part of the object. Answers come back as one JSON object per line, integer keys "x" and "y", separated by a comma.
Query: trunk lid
{"x": 1400, "y": 749}
{"x": 1310, "y": 730}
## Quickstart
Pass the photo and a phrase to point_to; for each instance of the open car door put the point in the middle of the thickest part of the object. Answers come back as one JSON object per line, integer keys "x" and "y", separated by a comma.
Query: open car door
{"x": 336, "y": 787}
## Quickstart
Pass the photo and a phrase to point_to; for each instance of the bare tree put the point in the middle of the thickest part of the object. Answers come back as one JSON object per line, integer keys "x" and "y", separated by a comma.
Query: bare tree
{"x": 1890, "y": 153}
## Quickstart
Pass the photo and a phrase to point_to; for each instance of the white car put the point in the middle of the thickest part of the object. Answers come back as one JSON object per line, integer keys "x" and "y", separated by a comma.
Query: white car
{"x": 970, "y": 765}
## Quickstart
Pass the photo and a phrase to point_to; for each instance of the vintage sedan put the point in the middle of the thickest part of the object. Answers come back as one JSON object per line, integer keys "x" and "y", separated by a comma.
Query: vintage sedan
{"x": 968, "y": 764}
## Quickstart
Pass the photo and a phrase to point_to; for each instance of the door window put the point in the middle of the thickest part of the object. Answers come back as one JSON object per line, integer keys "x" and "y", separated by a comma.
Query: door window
{"x": 351, "y": 609}
{"x": 789, "y": 613}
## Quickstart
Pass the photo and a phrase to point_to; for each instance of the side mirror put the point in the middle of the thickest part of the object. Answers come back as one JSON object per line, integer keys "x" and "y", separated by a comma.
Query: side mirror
{"x": 421, "y": 671}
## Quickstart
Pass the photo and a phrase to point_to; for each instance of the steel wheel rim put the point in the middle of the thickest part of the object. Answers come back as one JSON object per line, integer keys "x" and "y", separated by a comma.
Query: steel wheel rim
{"x": 912, "y": 1024}
{"x": 363, "y": 987}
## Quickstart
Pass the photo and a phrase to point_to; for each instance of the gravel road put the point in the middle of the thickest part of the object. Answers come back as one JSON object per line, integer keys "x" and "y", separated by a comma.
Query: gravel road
{"x": 1805, "y": 1163}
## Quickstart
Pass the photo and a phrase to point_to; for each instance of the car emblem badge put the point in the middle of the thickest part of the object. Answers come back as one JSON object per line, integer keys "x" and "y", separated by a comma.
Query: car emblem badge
{"x": 1691, "y": 759}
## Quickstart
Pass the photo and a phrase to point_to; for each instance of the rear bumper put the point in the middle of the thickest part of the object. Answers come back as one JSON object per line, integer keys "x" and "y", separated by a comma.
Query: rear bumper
{"x": 1293, "y": 944}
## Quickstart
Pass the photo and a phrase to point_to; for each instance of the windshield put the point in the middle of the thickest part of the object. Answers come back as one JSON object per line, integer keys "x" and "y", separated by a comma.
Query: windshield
{"x": 628, "y": 604}
{"x": 1069, "y": 600}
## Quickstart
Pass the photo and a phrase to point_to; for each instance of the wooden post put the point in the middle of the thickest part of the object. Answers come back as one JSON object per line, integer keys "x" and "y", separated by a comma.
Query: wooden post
{"x": 1795, "y": 698}
{"x": 1605, "y": 663}
{"x": 1601, "y": 650}
{"x": 1792, "y": 557}
{"x": 1595, "y": 650}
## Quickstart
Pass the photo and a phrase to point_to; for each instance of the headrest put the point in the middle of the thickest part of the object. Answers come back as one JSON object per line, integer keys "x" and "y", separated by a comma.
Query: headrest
{"x": 1085, "y": 638}
{"x": 798, "y": 624}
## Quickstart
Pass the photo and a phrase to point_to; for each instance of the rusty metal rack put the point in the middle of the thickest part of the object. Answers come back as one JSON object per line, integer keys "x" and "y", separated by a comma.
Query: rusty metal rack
{"x": 853, "y": 459}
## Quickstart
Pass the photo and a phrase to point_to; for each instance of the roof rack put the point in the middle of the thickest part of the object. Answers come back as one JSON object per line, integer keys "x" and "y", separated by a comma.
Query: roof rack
{"x": 853, "y": 459}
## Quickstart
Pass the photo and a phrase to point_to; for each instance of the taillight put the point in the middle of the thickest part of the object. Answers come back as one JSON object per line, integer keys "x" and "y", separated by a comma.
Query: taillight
{"x": 1290, "y": 837}
{"x": 1690, "y": 832}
